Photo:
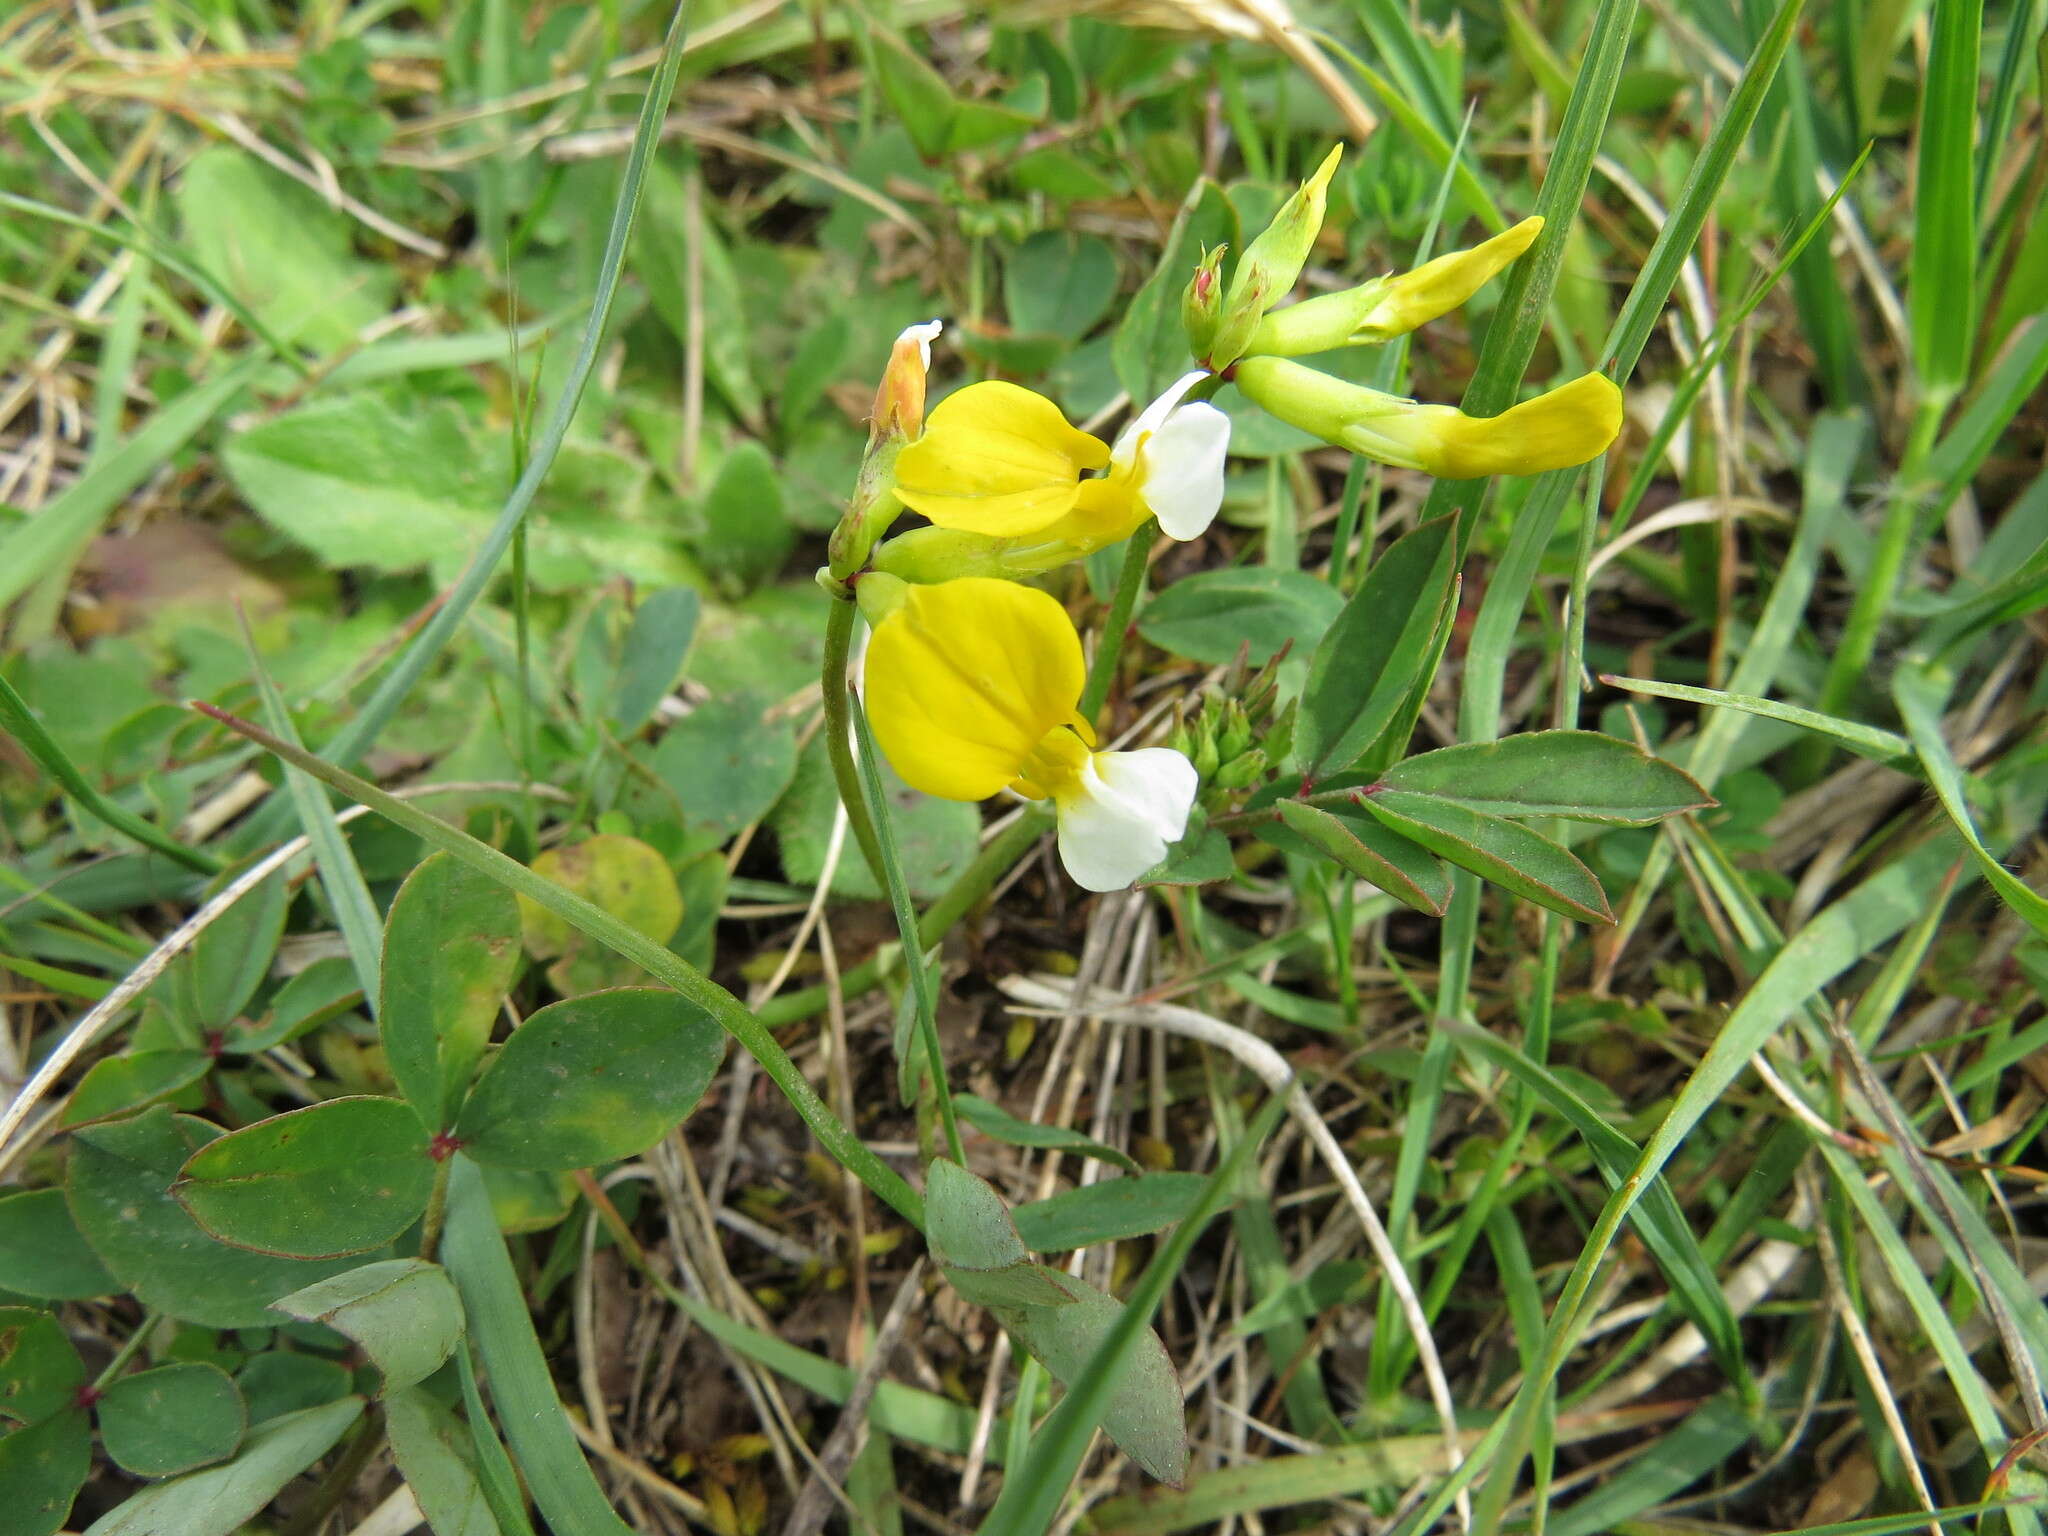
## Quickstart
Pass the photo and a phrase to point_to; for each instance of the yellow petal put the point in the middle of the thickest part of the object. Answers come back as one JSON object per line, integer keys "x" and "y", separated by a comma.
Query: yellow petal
{"x": 1569, "y": 425}
{"x": 1440, "y": 286}
{"x": 996, "y": 459}
{"x": 965, "y": 680}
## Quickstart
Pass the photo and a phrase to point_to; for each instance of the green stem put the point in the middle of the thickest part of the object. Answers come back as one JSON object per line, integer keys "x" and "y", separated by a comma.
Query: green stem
{"x": 1109, "y": 651}
{"x": 838, "y": 742}
{"x": 1003, "y": 851}
{"x": 1347, "y": 521}
{"x": 437, "y": 1209}
{"x": 1895, "y": 539}
{"x": 913, "y": 938}
{"x": 127, "y": 1351}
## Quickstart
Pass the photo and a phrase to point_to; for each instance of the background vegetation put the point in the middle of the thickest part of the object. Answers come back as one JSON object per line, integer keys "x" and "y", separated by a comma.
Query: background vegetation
{"x": 333, "y": 394}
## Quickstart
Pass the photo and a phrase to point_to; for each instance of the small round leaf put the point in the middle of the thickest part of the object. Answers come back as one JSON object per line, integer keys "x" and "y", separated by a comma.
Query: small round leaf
{"x": 341, "y": 1177}
{"x": 166, "y": 1421}
{"x": 592, "y": 1080}
{"x": 403, "y": 1312}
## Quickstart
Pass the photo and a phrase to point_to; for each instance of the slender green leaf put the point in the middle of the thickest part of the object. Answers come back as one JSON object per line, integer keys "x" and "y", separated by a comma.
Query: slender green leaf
{"x": 1864, "y": 740}
{"x": 1578, "y": 775}
{"x": 531, "y": 1414}
{"x": 994, "y": 1121}
{"x": 1397, "y": 864}
{"x": 1941, "y": 283}
{"x": 1505, "y": 852}
{"x": 1109, "y": 1210}
{"x": 1371, "y": 657}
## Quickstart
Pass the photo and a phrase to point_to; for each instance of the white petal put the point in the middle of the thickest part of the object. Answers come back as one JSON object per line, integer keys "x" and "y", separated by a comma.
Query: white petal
{"x": 1182, "y": 479}
{"x": 924, "y": 335}
{"x": 1131, "y": 805}
{"x": 1153, "y": 417}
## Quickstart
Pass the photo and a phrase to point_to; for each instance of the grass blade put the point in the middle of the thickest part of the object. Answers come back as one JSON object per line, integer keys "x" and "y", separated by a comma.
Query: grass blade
{"x": 416, "y": 658}
{"x": 1941, "y": 281}
{"x": 20, "y": 722}
{"x": 529, "y": 1409}
{"x": 1032, "y": 1493}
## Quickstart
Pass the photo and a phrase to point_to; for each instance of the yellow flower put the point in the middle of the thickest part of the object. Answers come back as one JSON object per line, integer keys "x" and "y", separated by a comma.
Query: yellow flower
{"x": 1568, "y": 425}
{"x": 1000, "y": 461}
{"x": 974, "y": 686}
{"x": 1390, "y": 306}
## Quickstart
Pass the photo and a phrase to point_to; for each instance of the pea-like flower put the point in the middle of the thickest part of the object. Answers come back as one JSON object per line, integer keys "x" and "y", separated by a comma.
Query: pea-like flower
{"x": 1565, "y": 426}
{"x": 1000, "y": 461}
{"x": 974, "y": 686}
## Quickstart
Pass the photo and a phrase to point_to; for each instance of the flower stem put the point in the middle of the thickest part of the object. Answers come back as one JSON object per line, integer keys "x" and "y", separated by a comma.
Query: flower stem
{"x": 838, "y": 738}
{"x": 913, "y": 940}
{"x": 1109, "y": 650}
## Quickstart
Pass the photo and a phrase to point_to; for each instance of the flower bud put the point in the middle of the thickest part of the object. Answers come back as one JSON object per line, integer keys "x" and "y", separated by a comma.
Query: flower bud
{"x": 1201, "y": 304}
{"x": 899, "y": 402}
{"x": 898, "y": 417}
{"x": 1389, "y": 306}
{"x": 1568, "y": 425}
{"x": 1236, "y": 732}
{"x": 1278, "y": 740}
{"x": 1243, "y": 771}
{"x": 1271, "y": 264}
{"x": 1205, "y": 757}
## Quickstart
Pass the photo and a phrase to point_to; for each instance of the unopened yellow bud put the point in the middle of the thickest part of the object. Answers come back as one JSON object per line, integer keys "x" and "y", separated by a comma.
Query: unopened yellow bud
{"x": 1569, "y": 425}
{"x": 899, "y": 402}
{"x": 1271, "y": 264}
{"x": 898, "y": 418}
{"x": 1390, "y": 306}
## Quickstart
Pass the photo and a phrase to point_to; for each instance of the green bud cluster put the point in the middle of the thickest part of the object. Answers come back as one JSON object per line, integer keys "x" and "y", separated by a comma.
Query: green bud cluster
{"x": 1234, "y": 734}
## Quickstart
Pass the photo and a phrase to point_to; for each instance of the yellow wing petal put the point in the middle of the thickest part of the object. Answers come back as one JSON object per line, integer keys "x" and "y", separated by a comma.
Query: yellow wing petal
{"x": 966, "y": 678}
{"x": 996, "y": 459}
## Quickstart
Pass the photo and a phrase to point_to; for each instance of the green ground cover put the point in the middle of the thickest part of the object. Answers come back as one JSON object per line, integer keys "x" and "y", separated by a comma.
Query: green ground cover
{"x": 475, "y": 1068}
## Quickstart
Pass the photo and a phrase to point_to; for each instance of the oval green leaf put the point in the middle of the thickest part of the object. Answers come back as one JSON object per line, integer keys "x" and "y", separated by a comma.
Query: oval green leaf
{"x": 592, "y": 1080}
{"x": 172, "y": 1419}
{"x": 121, "y": 1083}
{"x": 624, "y": 876}
{"x": 1505, "y": 852}
{"x": 42, "y": 1252}
{"x": 1403, "y": 869}
{"x": 450, "y": 948}
{"x": 1205, "y": 617}
{"x": 1146, "y": 1416}
{"x": 336, "y": 1178}
{"x": 42, "y": 1468}
{"x": 1579, "y": 775}
{"x": 40, "y": 1372}
{"x": 403, "y": 1312}
{"x": 118, "y": 1184}
{"x": 221, "y": 1500}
